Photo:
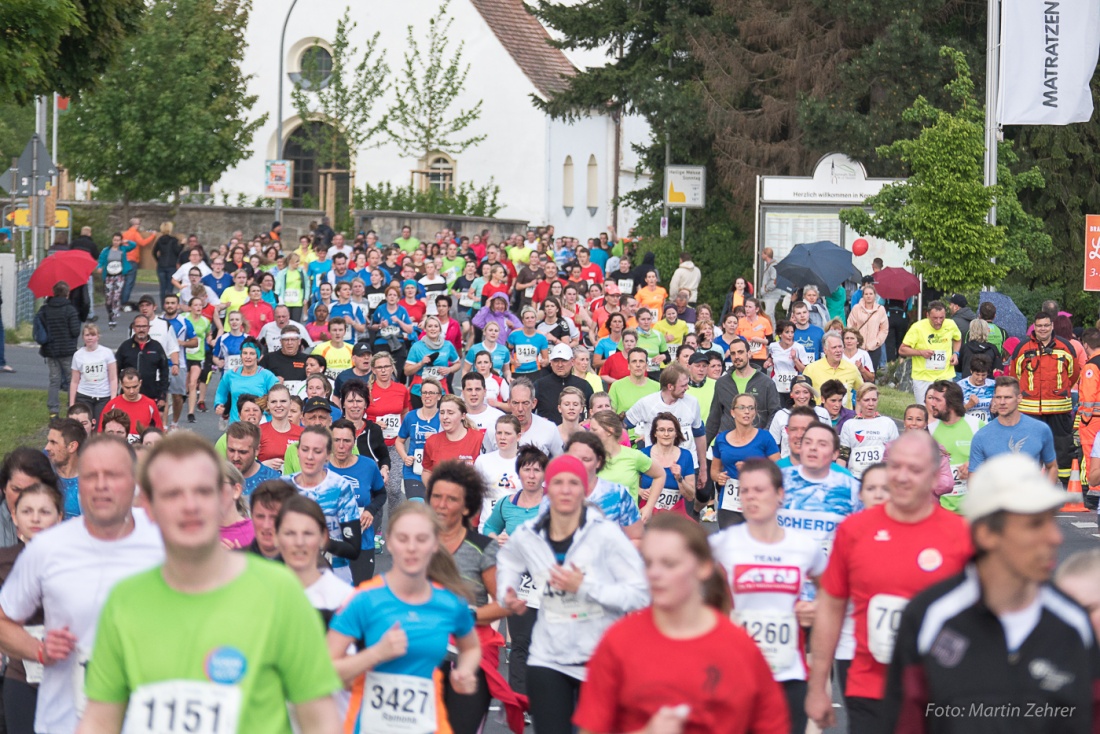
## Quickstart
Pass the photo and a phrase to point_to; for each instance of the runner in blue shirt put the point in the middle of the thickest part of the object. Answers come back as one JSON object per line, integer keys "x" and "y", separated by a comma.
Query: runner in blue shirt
{"x": 404, "y": 620}
{"x": 745, "y": 441}
{"x": 528, "y": 345}
{"x": 415, "y": 429}
{"x": 370, "y": 492}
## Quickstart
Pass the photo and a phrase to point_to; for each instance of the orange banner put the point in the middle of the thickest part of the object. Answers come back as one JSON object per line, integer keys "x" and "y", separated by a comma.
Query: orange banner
{"x": 1092, "y": 252}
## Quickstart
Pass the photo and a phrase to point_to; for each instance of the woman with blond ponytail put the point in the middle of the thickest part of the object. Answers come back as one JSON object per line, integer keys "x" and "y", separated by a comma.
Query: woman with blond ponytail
{"x": 403, "y": 620}
{"x": 680, "y": 665}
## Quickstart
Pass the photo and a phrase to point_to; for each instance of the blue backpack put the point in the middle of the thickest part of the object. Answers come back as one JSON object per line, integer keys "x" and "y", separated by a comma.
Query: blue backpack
{"x": 41, "y": 333}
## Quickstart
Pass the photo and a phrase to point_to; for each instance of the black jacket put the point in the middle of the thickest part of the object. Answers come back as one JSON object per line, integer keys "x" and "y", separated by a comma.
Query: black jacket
{"x": 953, "y": 672}
{"x": 548, "y": 389}
{"x": 83, "y": 242}
{"x": 970, "y": 349}
{"x": 167, "y": 251}
{"x": 725, "y": 390}
{"x": 151, "y": 363}
{"x": 63, "y": 323}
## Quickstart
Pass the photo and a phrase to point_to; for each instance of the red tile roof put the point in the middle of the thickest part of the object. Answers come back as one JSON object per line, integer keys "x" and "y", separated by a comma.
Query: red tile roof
{"x": 526, "y": 41}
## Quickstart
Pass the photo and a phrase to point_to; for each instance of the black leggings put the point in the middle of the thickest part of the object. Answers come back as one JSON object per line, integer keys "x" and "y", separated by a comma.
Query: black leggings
{"x": 796, "y": 704}
{"x": 466, "y": 713}
{"x": 20, "y": 700}
{"x": 519, "y": 629}
{"x": 729, "y": 518}
{"x": 362, "y": 568}
{"x": 553, "y": 698}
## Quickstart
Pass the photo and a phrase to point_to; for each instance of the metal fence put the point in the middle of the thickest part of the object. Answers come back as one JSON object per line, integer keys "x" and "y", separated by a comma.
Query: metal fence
{"x": 24, "y": 299}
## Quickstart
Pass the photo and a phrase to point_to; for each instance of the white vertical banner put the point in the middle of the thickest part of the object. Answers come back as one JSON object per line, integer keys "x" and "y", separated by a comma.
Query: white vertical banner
{"x": 1049, "y": 51}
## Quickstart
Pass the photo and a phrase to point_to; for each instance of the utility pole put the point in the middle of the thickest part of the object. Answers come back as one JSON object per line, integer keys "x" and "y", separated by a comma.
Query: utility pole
{"x": 279, "y": 106}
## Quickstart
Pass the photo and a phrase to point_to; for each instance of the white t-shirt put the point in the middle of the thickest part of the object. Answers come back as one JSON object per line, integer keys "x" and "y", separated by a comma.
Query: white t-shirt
{"x": 766, "y": 579}
{"x": 166, "y": 334}
{"x": 431, "y": 293}
{"x": 862, "y": 359}
{"x": 183, "y": 271}
{"x": 69, "y": 574}
{"x": 686, "y": 410}
{"x": 93, "y": 368}
{"x": 783, "y": 366}
{"x": 501, "y": 479}
{"x": 272, "y": 335}
{"x": 328, "y": 592}
{"x": 542, "y": 434}
{"x": 486, "y": 420}
{"x": 186, "y": 294}
{"x": 867, "y": 439}
{"x": 778, "y": 428}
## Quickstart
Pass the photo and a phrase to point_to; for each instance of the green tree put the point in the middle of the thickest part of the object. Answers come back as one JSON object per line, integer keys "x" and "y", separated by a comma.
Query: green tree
{"x": 430, "y": 81}
{"x": 60, "y": 46}
{"x": 346, "y": 102}
{"x": 940, "y": 210}
{"x": 171, "y": 111}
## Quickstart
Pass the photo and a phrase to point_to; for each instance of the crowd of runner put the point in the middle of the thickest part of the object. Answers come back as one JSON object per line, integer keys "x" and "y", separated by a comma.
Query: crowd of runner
{"x": 665, "y": 516}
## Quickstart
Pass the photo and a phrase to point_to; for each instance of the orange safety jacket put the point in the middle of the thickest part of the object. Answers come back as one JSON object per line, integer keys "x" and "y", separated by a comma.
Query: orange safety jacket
{"x": 1046, "y": 373}
{"x": 1088, "y": 404}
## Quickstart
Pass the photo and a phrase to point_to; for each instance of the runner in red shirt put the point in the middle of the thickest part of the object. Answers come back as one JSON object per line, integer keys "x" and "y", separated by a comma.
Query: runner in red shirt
{"x": 143, "y": 411}
{"x": 681, "y": 664}
{"x": 881, "y": 559}
{"x": 389, "y": 400}
{"x": 457, "y": 439}
{"x": 277, "y": 433}
{"x": 590, "y": 271}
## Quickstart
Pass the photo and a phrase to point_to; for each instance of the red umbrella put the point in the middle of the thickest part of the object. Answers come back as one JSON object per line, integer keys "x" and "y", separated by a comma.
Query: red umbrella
{"x": 896, "y": 284}
{"x": 71, "y": 266}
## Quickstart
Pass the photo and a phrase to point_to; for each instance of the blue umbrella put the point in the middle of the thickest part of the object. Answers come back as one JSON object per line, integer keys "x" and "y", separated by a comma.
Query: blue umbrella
{"x": 823, "y": 264}
{"x": 1009, "y": 317}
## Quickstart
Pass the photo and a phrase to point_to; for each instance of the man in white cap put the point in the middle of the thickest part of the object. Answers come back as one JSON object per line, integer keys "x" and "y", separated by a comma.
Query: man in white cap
{"x": 559, "y": 376}
{"x": 997, "y": 644}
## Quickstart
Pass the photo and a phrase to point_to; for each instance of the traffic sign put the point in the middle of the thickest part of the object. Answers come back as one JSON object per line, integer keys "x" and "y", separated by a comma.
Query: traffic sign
{"x": 21, "y": 217}
{"x": 34, "y": 171}
{"x": 686, "y": 187}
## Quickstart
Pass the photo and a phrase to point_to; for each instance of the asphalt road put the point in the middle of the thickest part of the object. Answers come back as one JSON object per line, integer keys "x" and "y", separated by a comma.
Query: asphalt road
{"x": 1079, "y": 530}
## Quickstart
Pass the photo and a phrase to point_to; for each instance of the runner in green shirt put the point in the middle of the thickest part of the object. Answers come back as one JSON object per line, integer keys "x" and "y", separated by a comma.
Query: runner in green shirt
{"x": 954, "y": 430}
{"x": 636, "y": 385}
{"x": 212, "y": 640}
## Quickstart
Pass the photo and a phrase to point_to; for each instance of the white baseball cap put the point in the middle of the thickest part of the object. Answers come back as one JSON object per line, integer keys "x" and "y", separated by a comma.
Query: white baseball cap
{"x": 1010, "y": 483}
{"x": 561, "y": 351}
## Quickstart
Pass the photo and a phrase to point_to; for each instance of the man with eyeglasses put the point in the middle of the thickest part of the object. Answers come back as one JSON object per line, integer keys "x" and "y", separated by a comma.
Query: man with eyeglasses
{"x": 534, "y": 429}
{"x": 148, "y": 357}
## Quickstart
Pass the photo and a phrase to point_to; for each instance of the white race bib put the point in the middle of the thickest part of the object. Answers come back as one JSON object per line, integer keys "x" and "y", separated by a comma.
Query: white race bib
{"x": 775, "y": 633}
{"x": 528, "y": 590}
{"x": 33, "y": 667}
{"x": 94, "y": 373}
{"x": 959, "y": 487}
{"x": 883, "y": 619}
{"x": 292, "y": 297}
{"x": 783, "y": 382}
{"x": 387, "y": 331}
{"x": 526, "y": 353}
{"x": 982, "y": 415}
{"x": 565, "y": 606}
{"x": 731, "y": 496}
{"x": 398, "y": 704}
{"x": 195, "y": 350}
{"x": 431, "y": 373}
{"x": 655, "y": 363}
{"x": 183, "y": 707}
{"x": 937, "y": 361}
{"x": 466, "y": 302}
{"x": 373, "y": 299}
{"x": 232, "y": 362}
{"x": 864, "y": 456}
{"x": 418, "y": 461}
{"x": 391, "y": 424}
{"x": 114, "y": 268}
{"x": 667, "y": 499}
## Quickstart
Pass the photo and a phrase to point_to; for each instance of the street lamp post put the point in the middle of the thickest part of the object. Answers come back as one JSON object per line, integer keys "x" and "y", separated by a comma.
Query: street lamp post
{"x": 279, "y": 107}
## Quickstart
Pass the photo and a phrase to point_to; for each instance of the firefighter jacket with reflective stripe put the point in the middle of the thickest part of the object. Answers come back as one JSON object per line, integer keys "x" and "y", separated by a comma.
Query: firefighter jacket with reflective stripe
{"x": 1047, "y": 373}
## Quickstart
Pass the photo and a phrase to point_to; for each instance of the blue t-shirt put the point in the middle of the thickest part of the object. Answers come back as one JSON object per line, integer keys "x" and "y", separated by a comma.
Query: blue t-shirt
{"x": 365, "y": 480}
{"x": 390, "y": 329}
{"x": 316, "y": 270}
{"x": 262, "y": 475}
{"x": 349, "y": 309}
{"x": 810, "y": 339}
{"x": 415, "y": 430}
{"x": 687, "y": 469}
{"x": 428, "y": 626}
{"x": 69, "y": 490}
{"x": 984, "y": 393}
{"x": 228, "y": 345}
{"x": 1029, "y": 437}
{"x": 337, "y": 500}
{"x": 448, "y": 355}
{"x": 818, "y": 506}
{"x": 500, "y": 354}
{"x": 606, "y": 347}
{"x": 599, "y": 256}
{"x": 761, "y": 446}
{"x": 218, "y": 285}
{"x": 234, "y": 384}
{"x": 527, "y": 350}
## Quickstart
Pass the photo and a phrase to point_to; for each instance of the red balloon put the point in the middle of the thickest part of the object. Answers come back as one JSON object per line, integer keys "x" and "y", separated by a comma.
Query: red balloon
{"x": 859, "y": 247}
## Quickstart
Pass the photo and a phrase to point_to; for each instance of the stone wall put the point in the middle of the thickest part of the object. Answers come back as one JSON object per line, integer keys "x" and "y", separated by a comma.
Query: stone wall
{"x": 388, "y": 224}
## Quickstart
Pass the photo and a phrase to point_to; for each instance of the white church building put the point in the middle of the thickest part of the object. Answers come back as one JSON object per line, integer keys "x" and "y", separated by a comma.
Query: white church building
{"x": 548, "y": 171}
